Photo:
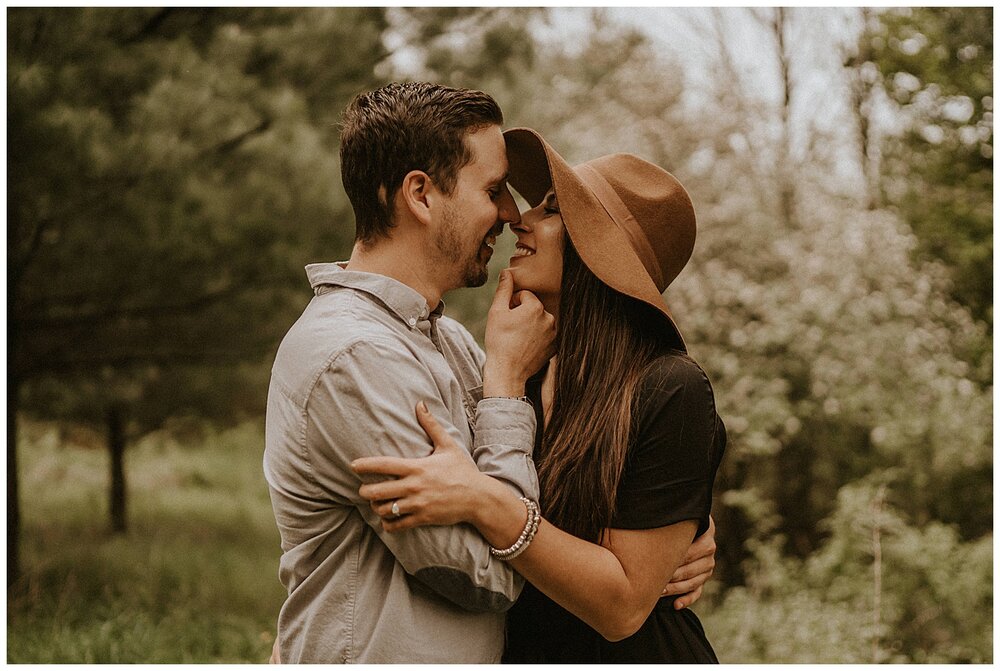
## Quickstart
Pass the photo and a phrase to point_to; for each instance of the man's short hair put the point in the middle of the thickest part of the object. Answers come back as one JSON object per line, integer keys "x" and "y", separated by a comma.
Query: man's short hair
{"x": 388, "y": 132}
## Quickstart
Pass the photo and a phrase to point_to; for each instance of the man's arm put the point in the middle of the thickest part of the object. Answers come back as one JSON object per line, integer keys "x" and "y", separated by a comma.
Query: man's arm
{"x": 362, "y": 405}
{"x": 695, "y": 569}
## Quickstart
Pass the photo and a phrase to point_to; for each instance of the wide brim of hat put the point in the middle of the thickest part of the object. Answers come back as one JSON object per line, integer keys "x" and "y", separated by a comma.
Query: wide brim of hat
{"x": 602, "y": 245}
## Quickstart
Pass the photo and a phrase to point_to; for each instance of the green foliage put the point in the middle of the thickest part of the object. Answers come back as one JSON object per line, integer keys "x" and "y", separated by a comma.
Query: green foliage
{"x": 800, "y": 627}
{"x": 194, "y": 581}
{"x": 835, "y": 351}
{"x": 162, "y": 157}
{"x": 878, "y": 590}
{"x": 936, "y": 64}
{"x": 169, "y": 179}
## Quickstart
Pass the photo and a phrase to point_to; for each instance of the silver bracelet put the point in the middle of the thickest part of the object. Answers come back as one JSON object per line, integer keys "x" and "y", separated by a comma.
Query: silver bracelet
{"x": 527, "y": 535}
{"x": 523, "y": 399}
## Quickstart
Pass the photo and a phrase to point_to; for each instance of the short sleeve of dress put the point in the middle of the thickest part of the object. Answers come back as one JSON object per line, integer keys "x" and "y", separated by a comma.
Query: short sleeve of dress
{"x": 678, "y": 445}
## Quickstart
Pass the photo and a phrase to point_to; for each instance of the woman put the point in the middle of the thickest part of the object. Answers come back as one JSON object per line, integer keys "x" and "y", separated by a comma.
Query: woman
{"x": 629, "y": 438}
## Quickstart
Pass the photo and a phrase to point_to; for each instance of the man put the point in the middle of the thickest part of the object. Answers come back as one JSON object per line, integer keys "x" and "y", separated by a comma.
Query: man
{"x": 425, "y": 169}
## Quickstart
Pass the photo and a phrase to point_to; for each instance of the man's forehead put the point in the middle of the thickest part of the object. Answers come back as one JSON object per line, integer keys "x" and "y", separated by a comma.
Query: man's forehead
{"x": 489, "y": 152}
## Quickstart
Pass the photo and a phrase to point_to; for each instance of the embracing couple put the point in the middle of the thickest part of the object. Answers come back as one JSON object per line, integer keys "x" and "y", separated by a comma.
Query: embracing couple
{"x": 546, "y": 500}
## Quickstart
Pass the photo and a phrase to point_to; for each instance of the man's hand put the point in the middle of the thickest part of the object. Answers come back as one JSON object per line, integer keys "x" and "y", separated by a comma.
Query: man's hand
{"x": 695, "y": 569}
{"x": 520, "y": 338}
{"x": 275, "y": 653}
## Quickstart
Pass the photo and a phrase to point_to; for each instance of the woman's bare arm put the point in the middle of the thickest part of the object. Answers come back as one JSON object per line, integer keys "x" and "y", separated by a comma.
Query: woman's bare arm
{"x": 612, "y": 586}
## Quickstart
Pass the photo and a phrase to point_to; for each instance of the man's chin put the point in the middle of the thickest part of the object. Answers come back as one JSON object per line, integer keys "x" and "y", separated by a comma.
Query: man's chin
{"x": 476, "y": 275}
{"x": 476, "y": 280}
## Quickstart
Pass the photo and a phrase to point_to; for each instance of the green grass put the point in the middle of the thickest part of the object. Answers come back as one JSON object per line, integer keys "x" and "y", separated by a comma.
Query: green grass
{"x": 193, "y": 580}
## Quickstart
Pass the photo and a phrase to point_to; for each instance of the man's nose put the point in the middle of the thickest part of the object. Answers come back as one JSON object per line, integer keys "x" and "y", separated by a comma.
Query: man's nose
{"x": 508, "y": 208}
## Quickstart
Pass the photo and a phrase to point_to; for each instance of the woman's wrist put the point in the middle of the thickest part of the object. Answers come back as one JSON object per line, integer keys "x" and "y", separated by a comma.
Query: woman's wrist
{"x": 499, "y": 514}
{"x": 499, "y": 380}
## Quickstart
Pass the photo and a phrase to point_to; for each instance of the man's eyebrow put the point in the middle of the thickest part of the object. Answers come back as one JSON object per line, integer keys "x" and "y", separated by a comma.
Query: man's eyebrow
{"x": 502, "y": 178}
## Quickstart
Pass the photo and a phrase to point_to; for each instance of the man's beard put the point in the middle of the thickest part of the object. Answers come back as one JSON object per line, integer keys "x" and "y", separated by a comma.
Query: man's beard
{"x": 470, "y": 269}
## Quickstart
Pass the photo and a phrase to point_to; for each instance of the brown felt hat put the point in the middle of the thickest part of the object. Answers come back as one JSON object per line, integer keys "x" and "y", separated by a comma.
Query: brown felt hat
{"x": 632, "y": 222}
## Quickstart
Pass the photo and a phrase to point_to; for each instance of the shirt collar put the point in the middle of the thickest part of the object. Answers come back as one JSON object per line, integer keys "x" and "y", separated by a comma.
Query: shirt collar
{"x": 404, "y": 301}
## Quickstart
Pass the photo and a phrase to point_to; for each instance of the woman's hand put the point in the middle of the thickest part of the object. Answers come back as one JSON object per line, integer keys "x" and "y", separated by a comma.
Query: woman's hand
{"x": 437, "y": 490}
{"x": 520, "y": 337}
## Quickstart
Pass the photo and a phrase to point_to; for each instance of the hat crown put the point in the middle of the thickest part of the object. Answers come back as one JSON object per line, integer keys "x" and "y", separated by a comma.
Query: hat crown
{"x": 631, "y": 222}
{"x": 660, "y": 207}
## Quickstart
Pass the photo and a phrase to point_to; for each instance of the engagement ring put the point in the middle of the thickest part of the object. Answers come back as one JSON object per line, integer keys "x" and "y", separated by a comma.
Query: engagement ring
{"x": 395, "y": 509}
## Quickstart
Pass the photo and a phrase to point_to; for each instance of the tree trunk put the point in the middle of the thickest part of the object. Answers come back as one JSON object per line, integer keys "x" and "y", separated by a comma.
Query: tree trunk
{"x": 785, "y": 170}
{"x": 731, "y": 526}
{"x": 793, "y": 497}
{"x": 13, "y": 497}
{"x": 116, "y": 445}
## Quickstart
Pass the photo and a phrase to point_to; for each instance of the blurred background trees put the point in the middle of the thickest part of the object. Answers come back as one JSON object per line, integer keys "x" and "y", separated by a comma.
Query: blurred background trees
{"x": 172, "y": 170}
{"x": 169, "y": 176}
{"x": 936, "y": 68}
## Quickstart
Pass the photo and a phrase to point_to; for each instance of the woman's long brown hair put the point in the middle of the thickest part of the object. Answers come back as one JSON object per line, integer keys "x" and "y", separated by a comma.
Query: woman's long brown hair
{"x": 606, "y": 342}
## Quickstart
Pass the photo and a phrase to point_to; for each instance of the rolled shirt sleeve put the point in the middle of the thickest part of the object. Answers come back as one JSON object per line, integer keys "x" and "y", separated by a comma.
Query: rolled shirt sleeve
{"x": 500, "y": 448}
{"x": 363, "y": 404}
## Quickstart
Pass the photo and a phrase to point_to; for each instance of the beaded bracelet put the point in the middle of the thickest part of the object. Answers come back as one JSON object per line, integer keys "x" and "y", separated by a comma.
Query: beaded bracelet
{"x": 523, "y": 399}
{"x": 522, "y": 542}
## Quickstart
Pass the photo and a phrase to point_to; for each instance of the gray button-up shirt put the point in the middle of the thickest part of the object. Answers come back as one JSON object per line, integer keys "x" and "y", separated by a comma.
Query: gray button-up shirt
{"x": 345, "y": 383}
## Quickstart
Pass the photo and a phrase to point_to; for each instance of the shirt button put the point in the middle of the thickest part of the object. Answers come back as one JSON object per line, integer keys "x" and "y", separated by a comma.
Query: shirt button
{"x": 413, "y": 321}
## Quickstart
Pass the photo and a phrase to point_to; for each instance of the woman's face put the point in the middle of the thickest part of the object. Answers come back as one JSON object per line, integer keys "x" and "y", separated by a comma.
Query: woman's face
{"x": 538, "y": 260}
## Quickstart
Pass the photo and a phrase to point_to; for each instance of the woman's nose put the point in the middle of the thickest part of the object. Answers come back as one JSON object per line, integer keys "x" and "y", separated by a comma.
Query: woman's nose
{"x": 527, "y": 221}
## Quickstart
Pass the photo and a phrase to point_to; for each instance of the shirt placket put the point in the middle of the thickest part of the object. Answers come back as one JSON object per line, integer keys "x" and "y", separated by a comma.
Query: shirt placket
{"x": 429, "y": 328}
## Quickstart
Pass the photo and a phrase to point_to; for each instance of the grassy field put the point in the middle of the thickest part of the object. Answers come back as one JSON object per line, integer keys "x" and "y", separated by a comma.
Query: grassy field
{"x": 193, "y": 580}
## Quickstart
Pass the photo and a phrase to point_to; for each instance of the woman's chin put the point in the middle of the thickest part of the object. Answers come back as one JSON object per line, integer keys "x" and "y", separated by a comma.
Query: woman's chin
{"x": 515, "y": 275}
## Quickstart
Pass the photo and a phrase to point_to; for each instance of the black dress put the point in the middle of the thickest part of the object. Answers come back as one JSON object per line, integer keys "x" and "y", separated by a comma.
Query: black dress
{"x": 667, "y": 479}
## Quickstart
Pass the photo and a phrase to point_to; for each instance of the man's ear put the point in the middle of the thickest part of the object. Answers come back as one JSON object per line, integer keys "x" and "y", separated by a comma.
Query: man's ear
{"x": 417, "y": 194}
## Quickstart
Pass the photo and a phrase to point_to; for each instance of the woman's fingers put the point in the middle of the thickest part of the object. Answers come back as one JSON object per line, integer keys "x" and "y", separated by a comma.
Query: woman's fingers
{"x": 525, "y": 298}
{"x": 383, "y": 508}
{"x": 505, "y": 287}
{"x": 388, "y": 490}
{"x": 401, "y": 523}
{"x": 432, "y": 428}
{"x": 407, "y": 518}
{"x": 398, "y": 466}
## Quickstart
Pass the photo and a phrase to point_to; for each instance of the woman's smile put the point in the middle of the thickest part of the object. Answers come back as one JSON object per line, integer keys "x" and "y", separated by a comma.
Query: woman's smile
{"x": 539, "y": 237}
{"x": 521, "y": 250}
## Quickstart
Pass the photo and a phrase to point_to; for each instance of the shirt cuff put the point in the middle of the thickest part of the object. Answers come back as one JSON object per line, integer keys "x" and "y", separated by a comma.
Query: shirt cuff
{"x": 504, "y": 440}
